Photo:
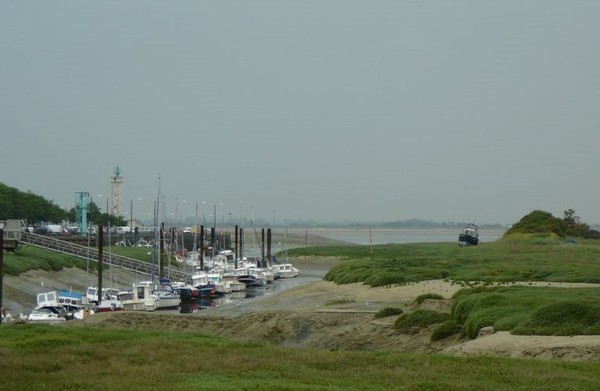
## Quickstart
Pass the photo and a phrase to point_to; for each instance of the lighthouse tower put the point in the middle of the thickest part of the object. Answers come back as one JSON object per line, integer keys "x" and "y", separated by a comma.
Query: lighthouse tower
{"x": 115, "y": 190}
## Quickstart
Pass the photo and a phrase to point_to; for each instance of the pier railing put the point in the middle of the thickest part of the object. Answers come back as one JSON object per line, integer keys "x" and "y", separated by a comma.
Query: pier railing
{"x": 89, "y": 253}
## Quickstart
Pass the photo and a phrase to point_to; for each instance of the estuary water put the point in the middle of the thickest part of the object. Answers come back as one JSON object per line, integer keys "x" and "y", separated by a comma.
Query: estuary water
{"x": 402, "y": 235}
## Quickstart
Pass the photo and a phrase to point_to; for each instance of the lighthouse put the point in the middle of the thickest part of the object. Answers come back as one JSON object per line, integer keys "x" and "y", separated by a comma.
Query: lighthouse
{"x": 115, "y": 190}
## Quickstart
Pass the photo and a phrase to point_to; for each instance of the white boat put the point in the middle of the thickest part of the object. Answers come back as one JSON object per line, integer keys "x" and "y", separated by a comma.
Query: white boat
{"x": 231, "y": 279}
{"x": 46, "y": 299}
{"x": 49, "y": 301}
{"x": 110, "y": 306}
{"x": 107, "y": 294}
{"x": 140, "y": 298}
{"x": 221, "y": 287}
{"x": 166, "y": 299}
{"x": 251, "y": 276}
{"x": 72, "y": 301}
{"x": 45, "y": 315}
{"x": 285, "y": 270}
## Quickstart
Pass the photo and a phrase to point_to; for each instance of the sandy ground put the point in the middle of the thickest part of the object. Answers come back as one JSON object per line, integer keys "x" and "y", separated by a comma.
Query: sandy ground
{"x": 310, "y": 312}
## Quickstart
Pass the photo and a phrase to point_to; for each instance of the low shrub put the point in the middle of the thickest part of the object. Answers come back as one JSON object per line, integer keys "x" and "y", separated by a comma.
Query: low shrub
{"x": 385, "y": 278}
{"x": 389, "y": 311}
{"x": 428, "y": 296}
{"x": 340, "y": 302}
{"x": 419, "y": 319}
{"x": 445, "y": 329}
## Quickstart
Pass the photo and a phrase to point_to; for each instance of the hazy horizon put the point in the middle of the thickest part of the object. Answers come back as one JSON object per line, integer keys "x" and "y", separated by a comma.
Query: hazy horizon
{"x": 327, "y": 111}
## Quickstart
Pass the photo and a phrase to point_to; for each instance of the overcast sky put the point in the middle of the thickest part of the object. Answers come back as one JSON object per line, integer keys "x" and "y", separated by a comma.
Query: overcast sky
{"x": 330, "y": 110}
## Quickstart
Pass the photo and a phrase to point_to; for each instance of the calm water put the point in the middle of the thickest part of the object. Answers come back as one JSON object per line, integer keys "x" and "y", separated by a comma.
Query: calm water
{"x": 401, "y": 235}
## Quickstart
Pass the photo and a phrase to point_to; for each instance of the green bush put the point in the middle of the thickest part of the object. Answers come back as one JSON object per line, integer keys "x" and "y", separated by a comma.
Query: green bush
{"x": 539, "y": 221}
{"x": 528, "y": 310}
{"x": 428, "y": 296}
{"x": 463, "y": 306}
{"x": 564, "y": 317}
{"x": 385, "y": 278}
{"x": 419, "y": 319}
{"x": 445, "y": 329}
{"x": 471, "y": 327}
{"x": 388, "y": 311}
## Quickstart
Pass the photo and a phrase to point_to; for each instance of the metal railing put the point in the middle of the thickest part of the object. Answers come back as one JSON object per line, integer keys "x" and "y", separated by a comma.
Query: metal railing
{"x": 89, "y": 253}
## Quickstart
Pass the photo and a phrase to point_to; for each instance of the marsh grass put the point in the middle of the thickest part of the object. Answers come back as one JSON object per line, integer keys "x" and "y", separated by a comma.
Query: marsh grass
{"x": 528, "y": 310}
{"x": 77, "y": 358}
{"x": 389, "y": 311}
{"x": 445, "y": 329}
{"x": 514, "y": 258}
{"x": 419, "y": 319}
{"x": 428, "y": 296}
{"x": 519, "y": 257}
{"x": 340, "y": 302}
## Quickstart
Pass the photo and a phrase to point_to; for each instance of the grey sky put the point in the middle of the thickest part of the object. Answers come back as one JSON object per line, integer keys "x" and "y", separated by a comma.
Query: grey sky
{"x": 328, "y": 110}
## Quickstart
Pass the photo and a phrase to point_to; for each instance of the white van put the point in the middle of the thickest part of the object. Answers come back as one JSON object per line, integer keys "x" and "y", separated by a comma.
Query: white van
{"x": 123, "y": 230}
{"x": 54, "y": 229}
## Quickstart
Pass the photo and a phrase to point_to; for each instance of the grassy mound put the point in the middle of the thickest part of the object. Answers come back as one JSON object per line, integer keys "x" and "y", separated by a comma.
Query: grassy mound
{"x": 528, "y": 310}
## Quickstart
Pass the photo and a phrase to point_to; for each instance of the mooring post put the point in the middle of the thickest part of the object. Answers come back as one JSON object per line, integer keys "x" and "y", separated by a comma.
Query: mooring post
{"x": 241, "y": 255}
{"x": 269, "y": 256}
{"x": 201, "y": 247}
{"x": 1, "y": 270}
{"x": 262, "y": 247}
{"x": 236, "y": 247}
{"x": 100, "y": 251}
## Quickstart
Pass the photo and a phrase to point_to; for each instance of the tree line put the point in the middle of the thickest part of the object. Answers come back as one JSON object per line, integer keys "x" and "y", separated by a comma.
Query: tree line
{"x": 36, "y": 210}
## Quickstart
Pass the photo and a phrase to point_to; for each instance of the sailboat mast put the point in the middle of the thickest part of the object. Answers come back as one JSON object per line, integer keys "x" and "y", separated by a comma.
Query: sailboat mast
{"x": 156, "y": 238}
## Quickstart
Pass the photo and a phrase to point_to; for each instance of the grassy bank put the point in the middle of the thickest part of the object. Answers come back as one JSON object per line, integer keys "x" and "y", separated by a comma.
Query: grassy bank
{"x": 518, "y": 258}
{"x": 528, "y": 310}
{"x": 34, "y": 258}
{"x": 64, "y": 358}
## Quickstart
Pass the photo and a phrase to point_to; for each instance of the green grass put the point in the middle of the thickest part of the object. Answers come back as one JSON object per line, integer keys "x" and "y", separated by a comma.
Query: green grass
{"x": 140, "y": 253}
{"x": 388, "y": 311}
{"x": 419, "y": 319}
{"x": 31, "y": 258}
{"x": 428, "y": 296}
{"x": 519, "y": 257}
{"x": 34, "y": 258}
{"x": 76, "y": 358}
{"x": 340, "y": 301}
{"x": 445, "y": 329}
{"x": 528, "y": 310}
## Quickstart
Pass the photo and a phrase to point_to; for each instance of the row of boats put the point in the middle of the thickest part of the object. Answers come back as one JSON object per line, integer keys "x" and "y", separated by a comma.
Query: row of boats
{"x": 220, "y": 280}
